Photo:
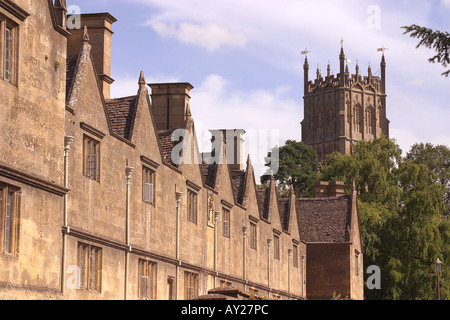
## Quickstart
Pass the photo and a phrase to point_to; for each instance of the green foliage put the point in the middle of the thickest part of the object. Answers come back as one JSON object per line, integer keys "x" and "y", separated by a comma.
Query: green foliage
{"x": 439, "y": 41}
{"x": 401, "y": 205}
{"x": 437, "y": 159}
{"x": 297, "y": 165}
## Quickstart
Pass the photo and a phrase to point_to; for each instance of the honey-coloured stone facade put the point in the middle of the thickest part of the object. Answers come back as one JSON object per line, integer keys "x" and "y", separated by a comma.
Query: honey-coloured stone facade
{"x": 101, "y": 209}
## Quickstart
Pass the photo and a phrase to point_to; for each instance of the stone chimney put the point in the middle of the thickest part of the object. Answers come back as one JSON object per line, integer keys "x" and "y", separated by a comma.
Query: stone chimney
{"x": 333, "y": 189}
{"x": 170, "y": 104}
{"x": 233, "y": 139}
{"x": 99, "y": 27}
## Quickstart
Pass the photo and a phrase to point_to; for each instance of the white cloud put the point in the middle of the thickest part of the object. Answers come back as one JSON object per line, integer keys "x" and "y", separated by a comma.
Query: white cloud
{"x": 275, "y": 33}
{"x": 269, "y": 117}
{"x": 405, "y": 139}
{"x": 445, "y": 3}
{"x": 210, "y": 35}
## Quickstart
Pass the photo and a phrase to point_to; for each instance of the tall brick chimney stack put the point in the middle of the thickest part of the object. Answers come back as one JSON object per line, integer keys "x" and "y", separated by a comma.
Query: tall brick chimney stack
{"x": 100, "y": 34}
{"x": 329, "y": 189}
{"x": 233, "y": 139}
{"x": 170, "y": 104}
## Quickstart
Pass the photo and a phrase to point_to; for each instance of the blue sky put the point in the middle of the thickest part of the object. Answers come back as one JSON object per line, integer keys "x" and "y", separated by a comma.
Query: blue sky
{"x": 243, "y": 57}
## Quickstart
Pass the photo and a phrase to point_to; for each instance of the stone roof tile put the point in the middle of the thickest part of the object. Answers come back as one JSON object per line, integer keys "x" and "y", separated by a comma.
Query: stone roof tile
{"x": 238, "y": 184}
{"x": 209, "y": 173}
{"x": 324, "y": 220}
{"x": 71, "y": 64}
{"x": 121, "y": 113}
{"x": 167, "y": 145}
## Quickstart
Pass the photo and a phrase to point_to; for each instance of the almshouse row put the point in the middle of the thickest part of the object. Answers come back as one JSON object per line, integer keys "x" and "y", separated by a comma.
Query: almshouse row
{"x": 94, "y": 207}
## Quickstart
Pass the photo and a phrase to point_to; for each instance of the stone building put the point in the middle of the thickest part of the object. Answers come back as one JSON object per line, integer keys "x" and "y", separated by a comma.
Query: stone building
{"x": 342, "y": 109}
{"x": 95, "y": 204}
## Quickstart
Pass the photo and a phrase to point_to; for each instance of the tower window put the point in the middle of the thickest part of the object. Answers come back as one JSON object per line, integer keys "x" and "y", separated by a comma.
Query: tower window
{"x": 357, "y": 119}
{"x": 319, "y": 125}
{"x": 369, "y": 120}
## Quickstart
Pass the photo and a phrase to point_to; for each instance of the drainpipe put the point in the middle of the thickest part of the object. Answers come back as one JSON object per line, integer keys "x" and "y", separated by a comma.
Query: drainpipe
{"x": 289, "y": 271}
{"x": 178, "y": 196}
{"x": 67, "y": 142}
{"x": 128, "y": 173}
{"x": 303, "y": 276}
{"x": 269, "y": 242}
{"x": 244, "y": 268}
{"x": 216, "y": 216}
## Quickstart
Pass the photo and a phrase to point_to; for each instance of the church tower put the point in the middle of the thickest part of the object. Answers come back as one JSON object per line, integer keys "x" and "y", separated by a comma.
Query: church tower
{"x": 342, "y": 109}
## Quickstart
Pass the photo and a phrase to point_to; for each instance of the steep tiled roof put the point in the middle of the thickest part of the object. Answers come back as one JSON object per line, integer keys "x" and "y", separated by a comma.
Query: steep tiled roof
{"x": 167, "y": 145}
{"x": 283, "y": 207}
{"x": 324, "y": 220}
{"x": 121, "y": 113}
{"x": 263, "y": 197}
{"x": 238, "y": 183}
{"x": 71, "y": 65}
{"x": 209, "y": 172}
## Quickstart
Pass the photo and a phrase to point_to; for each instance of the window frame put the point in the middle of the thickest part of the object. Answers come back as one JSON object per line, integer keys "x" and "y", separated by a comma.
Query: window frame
{"x": 148, "y": 176}
{"x": 170, "y": 288}
{"x": 147, "y": 270}
{"x": 295, "y": 255}
{"x": 192, "y": 206}
{"x": 226, "y": 223}
{"x": 12, "y": 55}
{"x": 191, "y": 285}
{"x": 276, "y": 247}
{"x": 91, "y": 147}
{"x": 89, "y": 262}
{"x": 253, "y": 236}
{"x": 9, "y": 219}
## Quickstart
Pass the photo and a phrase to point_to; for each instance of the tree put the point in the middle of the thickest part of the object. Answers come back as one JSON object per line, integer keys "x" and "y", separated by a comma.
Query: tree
{"x": 437, "y": 40}
{"x": 400, "y": 205}
{"x": 437, "y": 159}
{"x": 298, "y": 165}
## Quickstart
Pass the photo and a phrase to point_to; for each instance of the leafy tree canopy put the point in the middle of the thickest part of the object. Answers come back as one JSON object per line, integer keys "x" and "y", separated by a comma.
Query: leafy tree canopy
{"x": 297, "y": 165}
{"x": 401, "y": 206}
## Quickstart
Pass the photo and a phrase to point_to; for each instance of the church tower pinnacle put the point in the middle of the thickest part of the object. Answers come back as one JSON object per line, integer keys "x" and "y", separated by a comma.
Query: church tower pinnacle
{"x": 342, "y": 109}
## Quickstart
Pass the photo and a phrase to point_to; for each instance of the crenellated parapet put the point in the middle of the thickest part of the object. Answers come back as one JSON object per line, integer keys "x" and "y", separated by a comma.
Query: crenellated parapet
{"x": 344, "y": 108}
